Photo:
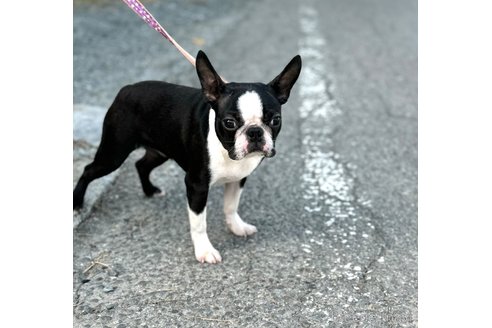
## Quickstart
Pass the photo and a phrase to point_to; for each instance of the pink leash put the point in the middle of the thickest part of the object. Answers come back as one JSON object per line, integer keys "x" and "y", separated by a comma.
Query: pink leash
{"x": 141, "y": 11}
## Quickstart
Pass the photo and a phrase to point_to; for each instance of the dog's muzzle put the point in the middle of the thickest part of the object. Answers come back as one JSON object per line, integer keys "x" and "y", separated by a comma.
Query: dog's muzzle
{"x": 257, "y": 142}
{"x": 254, "y": 141}
{"x": 255, "y": 134}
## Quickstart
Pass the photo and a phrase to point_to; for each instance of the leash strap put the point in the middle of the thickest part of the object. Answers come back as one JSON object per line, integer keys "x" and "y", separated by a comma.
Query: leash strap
{"x": 141, "y": 11}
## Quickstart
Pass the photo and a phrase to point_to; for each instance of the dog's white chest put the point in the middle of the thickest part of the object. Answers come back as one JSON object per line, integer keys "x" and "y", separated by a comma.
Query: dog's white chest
{"x": 222, "y": 168}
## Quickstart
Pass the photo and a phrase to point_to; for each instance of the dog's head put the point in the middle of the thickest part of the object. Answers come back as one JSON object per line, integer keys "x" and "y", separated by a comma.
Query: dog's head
{"x": 248, "y": 115}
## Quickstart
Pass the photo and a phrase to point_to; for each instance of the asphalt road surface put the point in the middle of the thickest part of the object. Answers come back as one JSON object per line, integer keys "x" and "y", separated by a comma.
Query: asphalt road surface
{"x": 336, "y": 208}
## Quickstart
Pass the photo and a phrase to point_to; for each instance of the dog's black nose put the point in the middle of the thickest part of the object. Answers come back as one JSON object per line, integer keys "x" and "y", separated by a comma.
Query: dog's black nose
{"x": 255, "y": 133}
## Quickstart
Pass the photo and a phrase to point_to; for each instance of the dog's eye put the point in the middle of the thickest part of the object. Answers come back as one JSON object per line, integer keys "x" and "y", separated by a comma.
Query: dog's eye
{"x": 275, "y": 121}
{"x": 229, "y": 124}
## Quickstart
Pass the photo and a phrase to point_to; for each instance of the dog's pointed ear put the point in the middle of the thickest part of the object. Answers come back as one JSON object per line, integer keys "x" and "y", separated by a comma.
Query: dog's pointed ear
{"x": 282, "y": 84}
{"x": 209, "y": 79}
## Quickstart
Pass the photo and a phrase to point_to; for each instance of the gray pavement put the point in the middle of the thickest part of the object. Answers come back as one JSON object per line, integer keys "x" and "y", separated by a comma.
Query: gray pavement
{"x": 336, "y": 208}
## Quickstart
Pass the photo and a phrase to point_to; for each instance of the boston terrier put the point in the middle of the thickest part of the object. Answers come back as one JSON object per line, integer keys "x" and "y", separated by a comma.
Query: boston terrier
{"x": 218, "y": 135}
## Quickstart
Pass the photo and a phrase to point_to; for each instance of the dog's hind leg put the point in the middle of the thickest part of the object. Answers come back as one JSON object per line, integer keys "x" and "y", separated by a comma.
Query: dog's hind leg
{"x": 111, "y": 153}
{"x": 145, "y": 165}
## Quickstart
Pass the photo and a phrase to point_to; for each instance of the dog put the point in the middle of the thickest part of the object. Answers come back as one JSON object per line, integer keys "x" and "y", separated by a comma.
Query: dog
{"x": 218, "y": 135}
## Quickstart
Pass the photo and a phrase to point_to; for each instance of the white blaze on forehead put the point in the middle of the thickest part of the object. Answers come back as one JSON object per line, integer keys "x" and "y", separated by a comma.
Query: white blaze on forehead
{"x": 250, "y": 107}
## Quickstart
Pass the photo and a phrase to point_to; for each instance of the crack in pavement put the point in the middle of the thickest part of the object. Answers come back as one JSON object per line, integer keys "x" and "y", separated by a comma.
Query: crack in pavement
{"x": 389, "y": 113}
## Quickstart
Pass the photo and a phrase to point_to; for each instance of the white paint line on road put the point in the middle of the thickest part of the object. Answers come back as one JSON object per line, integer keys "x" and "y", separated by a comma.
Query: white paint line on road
{"x": 327, "y": 187}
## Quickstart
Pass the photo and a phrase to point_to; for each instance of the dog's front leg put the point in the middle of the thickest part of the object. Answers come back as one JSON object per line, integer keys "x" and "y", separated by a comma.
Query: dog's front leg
{"x": 232, "y": 194}
{"x": 197, "y": 193}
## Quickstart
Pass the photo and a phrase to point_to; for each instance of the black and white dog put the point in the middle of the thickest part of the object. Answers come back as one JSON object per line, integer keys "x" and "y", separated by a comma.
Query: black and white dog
{"x": 217, "y": 135}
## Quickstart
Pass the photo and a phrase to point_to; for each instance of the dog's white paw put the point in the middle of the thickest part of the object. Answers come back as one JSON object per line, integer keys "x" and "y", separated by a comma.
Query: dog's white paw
{"x": 239, "y": 227}
{"x": 207, "y": 254}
